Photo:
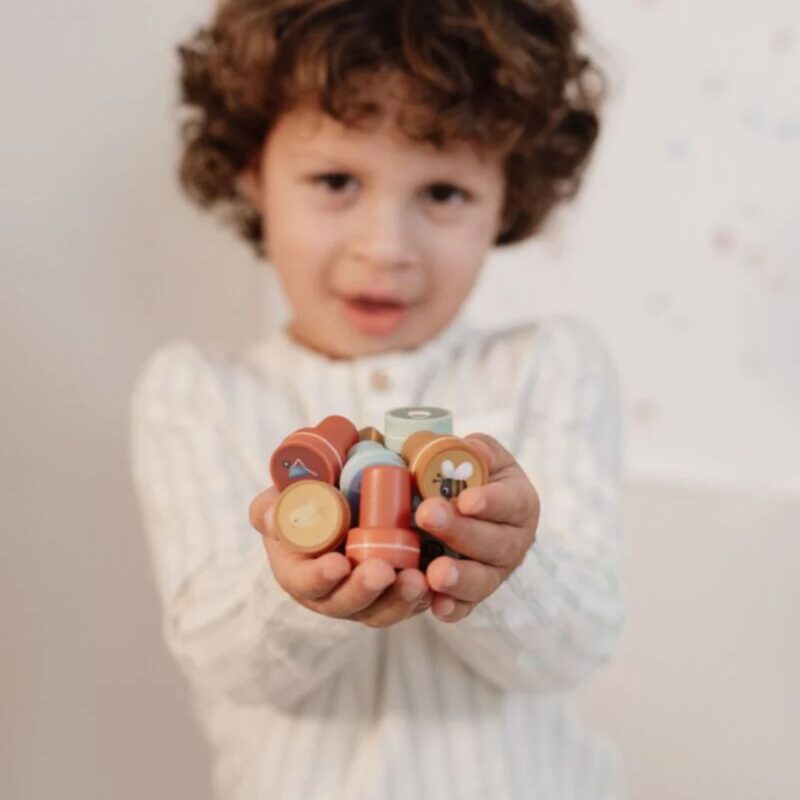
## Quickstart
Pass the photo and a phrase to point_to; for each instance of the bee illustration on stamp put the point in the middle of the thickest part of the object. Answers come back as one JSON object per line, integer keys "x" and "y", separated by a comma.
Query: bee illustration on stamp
{"x": 443, "y": 465}
{"x": 453, "y": 480}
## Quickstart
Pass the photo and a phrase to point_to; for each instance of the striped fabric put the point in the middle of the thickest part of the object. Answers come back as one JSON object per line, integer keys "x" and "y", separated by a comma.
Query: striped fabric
{"x": 298, "y": 706}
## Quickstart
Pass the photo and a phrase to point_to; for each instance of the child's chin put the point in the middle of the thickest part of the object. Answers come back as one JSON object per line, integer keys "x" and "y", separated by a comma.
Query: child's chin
{"x": 355, "y": 344}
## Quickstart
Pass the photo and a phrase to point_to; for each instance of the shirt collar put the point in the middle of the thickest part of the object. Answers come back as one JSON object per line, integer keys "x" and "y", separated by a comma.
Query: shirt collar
{"x": 440, "y": 344}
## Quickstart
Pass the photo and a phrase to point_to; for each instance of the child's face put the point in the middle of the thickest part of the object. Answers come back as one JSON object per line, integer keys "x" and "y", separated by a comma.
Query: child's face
{"x": 377, "y": 240}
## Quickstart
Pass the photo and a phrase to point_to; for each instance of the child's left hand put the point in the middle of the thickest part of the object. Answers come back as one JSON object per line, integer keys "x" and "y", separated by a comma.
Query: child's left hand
{"x": 492, "y": 526}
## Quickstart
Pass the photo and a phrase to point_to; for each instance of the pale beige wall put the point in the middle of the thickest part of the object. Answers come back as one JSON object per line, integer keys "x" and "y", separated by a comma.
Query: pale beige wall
{"x": 704, "y": 693}
{"x": 100, "y": 261}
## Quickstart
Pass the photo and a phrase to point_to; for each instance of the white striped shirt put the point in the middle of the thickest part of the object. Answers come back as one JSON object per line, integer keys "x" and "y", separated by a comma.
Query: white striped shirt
{"x": 299, "y": 706}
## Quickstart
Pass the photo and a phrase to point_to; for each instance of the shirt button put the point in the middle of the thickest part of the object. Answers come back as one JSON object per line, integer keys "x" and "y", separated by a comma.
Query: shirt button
{"x": 380, "y": 380}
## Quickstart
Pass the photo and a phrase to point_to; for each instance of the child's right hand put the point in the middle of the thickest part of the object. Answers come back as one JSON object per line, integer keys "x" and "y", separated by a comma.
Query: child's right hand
{"x": 371, "y": 593}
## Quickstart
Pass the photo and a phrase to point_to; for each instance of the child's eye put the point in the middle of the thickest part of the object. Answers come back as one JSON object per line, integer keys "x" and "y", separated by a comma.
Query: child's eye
{"x": 443, "y": 193}
{"x": 335, "y": 181}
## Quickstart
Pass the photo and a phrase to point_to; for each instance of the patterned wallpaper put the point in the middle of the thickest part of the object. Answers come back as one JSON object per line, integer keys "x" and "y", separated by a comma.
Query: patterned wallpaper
{"x": 684, "y": 247}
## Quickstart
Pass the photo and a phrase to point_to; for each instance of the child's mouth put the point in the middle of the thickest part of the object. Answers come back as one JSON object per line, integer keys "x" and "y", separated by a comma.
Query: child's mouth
{"x": 374, "y": 316}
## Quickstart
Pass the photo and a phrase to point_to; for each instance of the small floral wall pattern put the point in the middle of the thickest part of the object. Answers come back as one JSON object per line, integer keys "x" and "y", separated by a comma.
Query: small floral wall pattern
{"x": 684, "y": 247}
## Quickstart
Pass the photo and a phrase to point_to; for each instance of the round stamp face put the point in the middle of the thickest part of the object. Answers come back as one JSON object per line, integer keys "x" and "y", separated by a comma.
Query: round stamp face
{"x": 449, "y": 472}
{"x": 298, "y": 462}
{"x": 311, "y": 516}
{"x": 421, "y": 414}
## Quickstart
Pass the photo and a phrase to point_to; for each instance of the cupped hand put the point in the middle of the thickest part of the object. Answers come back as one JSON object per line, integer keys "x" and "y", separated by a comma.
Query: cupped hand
{"x": 491, "y": 526}
{"x": 371, "y": 593}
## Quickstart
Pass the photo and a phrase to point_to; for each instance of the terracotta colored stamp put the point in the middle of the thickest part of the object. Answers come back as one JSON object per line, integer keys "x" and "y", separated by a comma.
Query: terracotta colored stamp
{"x": 366, "y": 453}
{"x": 385, "y": 519}
{"x": 317, "y": 453}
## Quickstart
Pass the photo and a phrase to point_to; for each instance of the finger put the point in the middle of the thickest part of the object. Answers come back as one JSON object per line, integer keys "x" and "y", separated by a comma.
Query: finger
{"x": 305, "y": 577}
{"x": 510, "y": 501}
{"x": 361, "y": 589}
{"x": 498, "y": 458}
{"x": 424, "y": 604}
{"x": 449, "y": 610}
{"x": 259, "y": 507}
{"x": 463, "y": 579}
{"x": 478, "y": 539}
{"x": 398, "y": 602}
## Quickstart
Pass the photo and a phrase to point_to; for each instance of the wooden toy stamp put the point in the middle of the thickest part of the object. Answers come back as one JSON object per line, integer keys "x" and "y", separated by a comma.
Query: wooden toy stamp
{"x": 317, "y": 453}
{"x": 385, "y": 519}
{"x": 443, "y": 465}
{"x": 367, "y": 453}
{"x": 312, "y": 517}
{"x": 403, "y": 422}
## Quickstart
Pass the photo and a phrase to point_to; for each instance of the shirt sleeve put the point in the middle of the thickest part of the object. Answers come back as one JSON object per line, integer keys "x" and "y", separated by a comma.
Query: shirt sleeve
{"x": 231, "y": 627}
{"x": 559, "y": 615}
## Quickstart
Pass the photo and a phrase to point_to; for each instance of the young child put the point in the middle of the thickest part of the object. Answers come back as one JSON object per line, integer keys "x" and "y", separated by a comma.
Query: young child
{"x": 374, "y": 151}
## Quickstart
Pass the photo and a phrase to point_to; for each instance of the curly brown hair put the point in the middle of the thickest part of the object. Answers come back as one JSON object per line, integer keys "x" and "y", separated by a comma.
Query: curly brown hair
{"x": 494, "y": 73}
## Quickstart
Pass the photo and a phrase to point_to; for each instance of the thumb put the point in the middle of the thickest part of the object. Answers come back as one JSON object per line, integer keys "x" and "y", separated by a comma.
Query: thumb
{"x": 261, "y": 511}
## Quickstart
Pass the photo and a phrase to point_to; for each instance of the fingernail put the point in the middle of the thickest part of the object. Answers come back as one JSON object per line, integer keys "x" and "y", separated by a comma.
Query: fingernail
{"x": 410, "y": 593}
{"x": 437, "y": 518}
{"x": 450, "y": 578}
{"x": 446, "y": 607}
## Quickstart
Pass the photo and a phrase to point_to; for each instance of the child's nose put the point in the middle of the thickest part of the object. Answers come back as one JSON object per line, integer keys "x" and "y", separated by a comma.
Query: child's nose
{"x": 385, "y": 238}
